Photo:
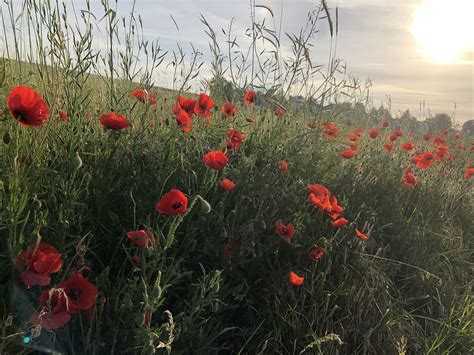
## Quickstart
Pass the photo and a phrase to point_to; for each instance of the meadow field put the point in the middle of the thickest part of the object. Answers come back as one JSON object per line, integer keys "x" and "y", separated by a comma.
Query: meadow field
{"x": 257, "y": 206}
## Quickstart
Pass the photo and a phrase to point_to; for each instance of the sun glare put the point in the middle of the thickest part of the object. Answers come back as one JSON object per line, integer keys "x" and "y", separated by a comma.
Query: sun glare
{"x": 444, "y": 29}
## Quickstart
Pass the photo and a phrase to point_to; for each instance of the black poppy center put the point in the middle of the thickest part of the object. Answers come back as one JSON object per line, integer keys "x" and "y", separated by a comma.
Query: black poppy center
{"x": 19, "y": 115}
{"x": 74, "y": 294}
{"x": 176, "y": 205}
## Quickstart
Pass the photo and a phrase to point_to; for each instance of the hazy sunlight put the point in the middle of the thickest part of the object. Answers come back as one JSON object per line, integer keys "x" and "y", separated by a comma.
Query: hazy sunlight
{"x": 444, "y": 30}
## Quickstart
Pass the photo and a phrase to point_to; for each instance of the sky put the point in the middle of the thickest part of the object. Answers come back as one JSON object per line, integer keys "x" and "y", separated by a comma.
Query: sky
{"x": 409, "y": 67}
{"x": 374, "y": 39}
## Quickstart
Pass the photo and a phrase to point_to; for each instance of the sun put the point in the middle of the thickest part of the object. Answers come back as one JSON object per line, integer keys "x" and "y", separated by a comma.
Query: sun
{"x": 444, "y": 29}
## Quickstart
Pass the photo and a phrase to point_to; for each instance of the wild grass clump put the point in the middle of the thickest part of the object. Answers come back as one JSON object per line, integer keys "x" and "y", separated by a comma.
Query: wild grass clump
{"x": 208, "y": 271}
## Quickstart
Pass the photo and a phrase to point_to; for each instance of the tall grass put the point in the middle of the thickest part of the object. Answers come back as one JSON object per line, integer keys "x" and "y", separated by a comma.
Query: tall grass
{"x": 407, "y": 289}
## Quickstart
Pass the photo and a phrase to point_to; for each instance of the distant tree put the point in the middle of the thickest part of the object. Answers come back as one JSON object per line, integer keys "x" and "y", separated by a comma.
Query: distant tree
{"x": 376, "y": 116}
{"x": 406, "y": 116}
{"x": 222, "y": 89}
{"x": 468, "y": 127}
{"x": 409, "y": 122}
{"x": 357, "y": 114}
{"x": 439, "y": 123}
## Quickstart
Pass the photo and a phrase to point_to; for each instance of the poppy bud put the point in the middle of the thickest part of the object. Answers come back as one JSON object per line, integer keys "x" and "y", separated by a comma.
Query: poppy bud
{"x": 205, "y": 205}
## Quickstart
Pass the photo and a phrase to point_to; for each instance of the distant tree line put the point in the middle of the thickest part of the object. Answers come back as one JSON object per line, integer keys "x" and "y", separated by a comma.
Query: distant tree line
{"x": 351, "y": 113}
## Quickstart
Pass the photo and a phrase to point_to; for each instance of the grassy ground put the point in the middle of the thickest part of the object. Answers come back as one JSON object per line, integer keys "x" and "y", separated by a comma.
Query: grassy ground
{"x": 80, "y": 187}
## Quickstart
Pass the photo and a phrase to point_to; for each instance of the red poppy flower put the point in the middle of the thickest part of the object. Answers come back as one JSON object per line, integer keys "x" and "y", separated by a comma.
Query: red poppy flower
{"x": 140, "y": 94}
{"x": 335, "y": 210}
{"x": 321, "y": 198}
{"x": 184, "y": 120}
{"x": 339, "y": 223}
{"x": 461, "y": 147}
{"x": 37, "y": 262}
{"x": 142, "y": 238}
{"x": 152, "y": 97}
{"x": 172, "y": 203}
{"x": 229, "y": 110}
{"x": 278, "y": 112}
{"x": 439, "y": 140}
{"x": 137, "y": 260}
{"x": 318, "y": 202}
{"x": 388, "y": 147}
{"x": 319, "y": 190}
{"x": 227, "y": 185}
{"x": 287, "y": 232}
{"x": 143, "y": 96}
{"x": 231, "y": 247}
{"x": 441, "y": 152}
{"x": 469, "y": 172}
{"x": 445, "y": 132}
{"x": 373, "y": 133}
{"x": 316, "y": 252}
{"x": 426, "y": 137}
{"x": 229, "y": 251}
{"x": 54, "y": 313}
{"x": 352, "y": 136}
{"x": 216, "y": 160}
{"x": 398, "y": 133}
{"x": 348, "y": 154}
{"x": 359, "y": 132}
{"x": 457, "y": 136}
{"x": 81, "y": 293}
{"x": 185, "y": 104}
{"x": 385, "y": 124}
{"x": 295, "y": 280}
{"x": 63, "y": 115}
{"x": 204, "y": 105}
{"x": 113, "y": 121}
{"x": 392, "y": 137}
{"x": 408, "y": 146}
{"x": 361, "y": 235}
{"x": 27, "y": 107}
{"x": 250, "y": 97}
{"x": 353, "y": 145}
{"x": 409, "y": 180}
{"x": 330, "y": 131}
{"x": 284, "y": 166}
{"x": 236, "y": 138}
{"x": 425, "y": 160}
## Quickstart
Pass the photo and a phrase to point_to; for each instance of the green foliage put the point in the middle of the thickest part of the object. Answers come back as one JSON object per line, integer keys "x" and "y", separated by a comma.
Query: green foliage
{"x": 439, "y": 122}
{"x": 468, "y": 127}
